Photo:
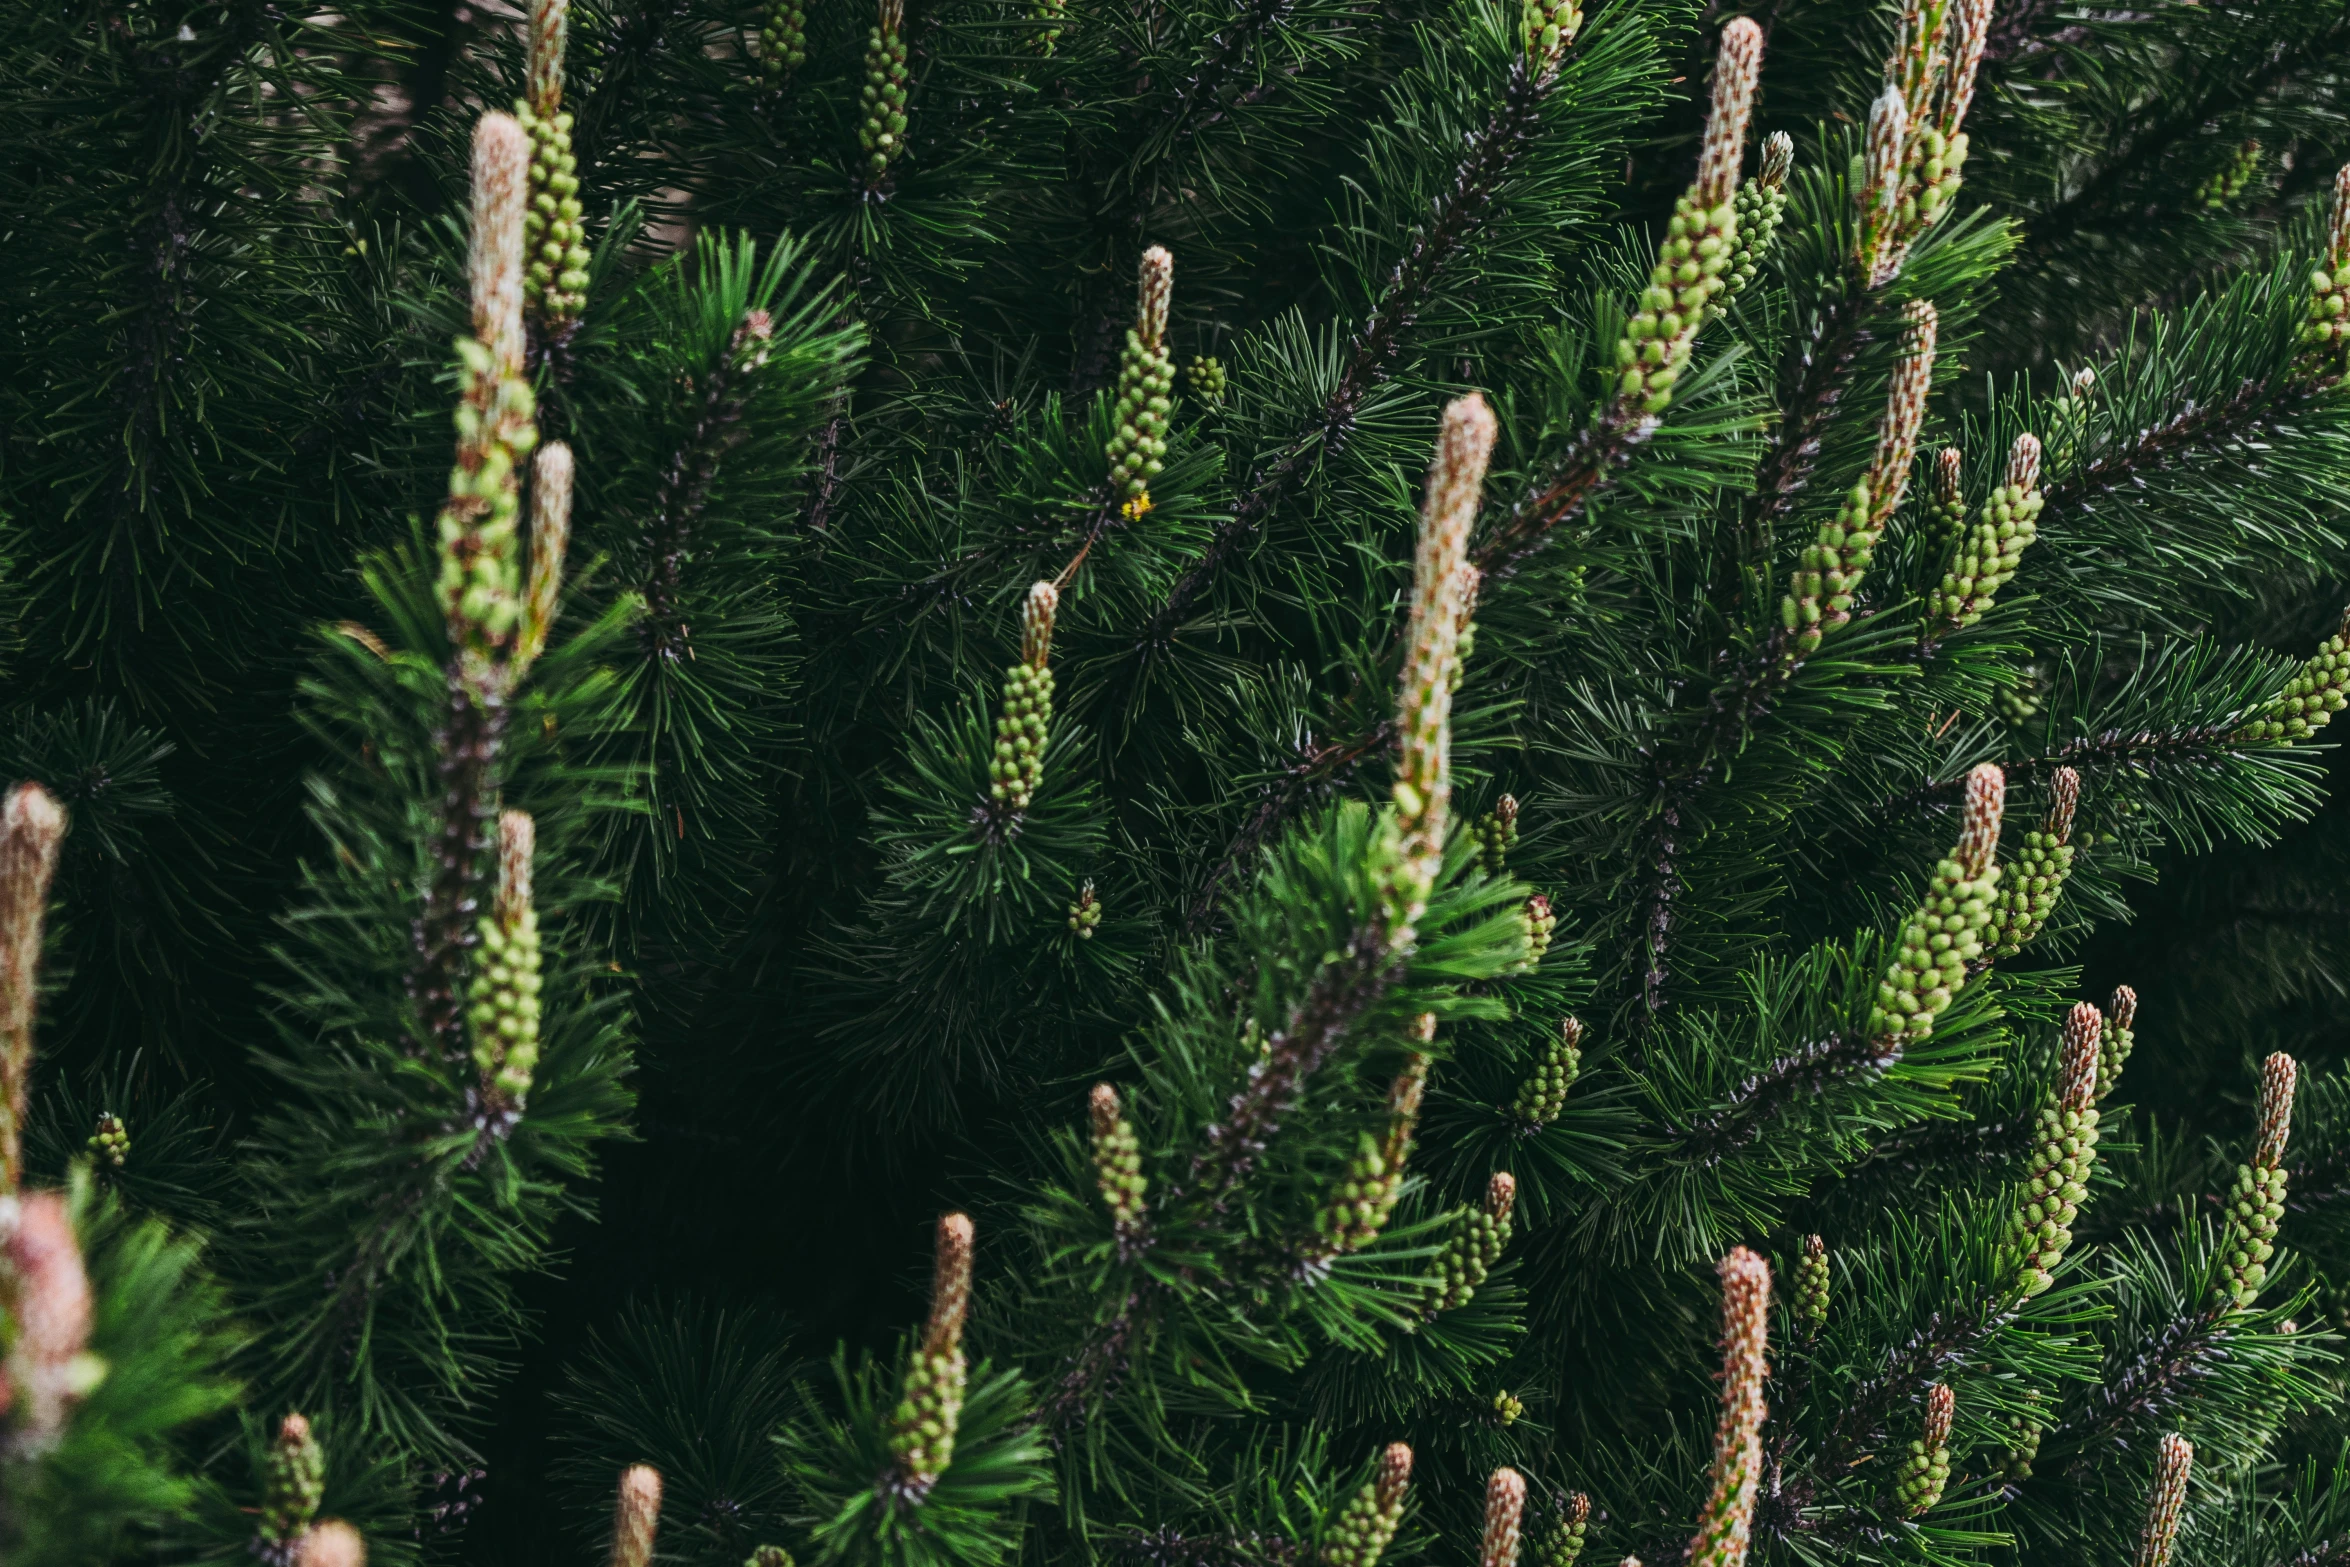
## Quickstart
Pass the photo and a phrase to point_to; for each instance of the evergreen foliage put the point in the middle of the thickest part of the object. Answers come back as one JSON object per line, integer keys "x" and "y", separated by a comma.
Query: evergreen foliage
{"x": 1281, "y": 666}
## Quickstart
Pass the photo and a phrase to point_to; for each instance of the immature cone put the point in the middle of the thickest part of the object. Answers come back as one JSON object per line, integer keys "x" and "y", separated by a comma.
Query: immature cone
{"x": 45, "y": 1297}
{"x": 31, "y": 828}
{"x": 1085, "y": 915}
{"x": 111, "y": 1142}
{"x": 1829, "y": 576}
{"x": 2121, "y": 1019}
{"x": 1479, "y": 1237}
{"x": 1205, "y": 379}
{"x": 881, "y": 135}
{"x": 636, "y": 1516}
{"x": 2023, "y": 1440}
{"x": 1970, "y": 29}
{"x": 781, "y": 43}
{"x": 2326, "y": 334}
{"x": 1722, "y": 1530}
{"x": 333, "y": 1543}
{"x": 1024, "y": 723}
{"x": 1925, "y": 1469}
{"x": 479, "y": 586}
{"x": 1760, "y": 206}
{"x": 2257, "y": 1203}
{"x": 551, "y": 474}
{"x": 1811, "y": 1285}
{"x": 2064, "y": 1149}
{"x": 2174, "y": 1460}
{"x": 502, "y": 999}
{"x": 930, "y": 1403}
{"x": 1550, "y": 27}
{"x": 1949, "y": 498}
{"x": 1544, "y": 1092}
{"x": 1497, "y": 834}
{"x": 555, "y": 238}
{"x": 1146, "y": 387}
{"x": 1441, "y": 580}
{"x": 2068, "y": 419}
{"x": 2029, "y": 887}
{"x": 1117, "y": 1166}
{"x": 1539, "y": 922}
{"x": 1363, "y": 1530}
{"x": 1359, "y": 1206}
{"x": 769, "y": 1556}
{"x": 293, "y": 1481}
{"x": 2313, "y": 697}
{"x": 1693, "y": 263}
{"x": 1505, "y": 1506}
{"x": 1929, "y": 964}
{"x": 1562, "y": 1543}
{"x": 1993, "y": 548}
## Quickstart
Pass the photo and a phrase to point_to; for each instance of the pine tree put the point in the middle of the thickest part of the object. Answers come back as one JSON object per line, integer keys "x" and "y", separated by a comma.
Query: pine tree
{"x": 1283, "y": 671}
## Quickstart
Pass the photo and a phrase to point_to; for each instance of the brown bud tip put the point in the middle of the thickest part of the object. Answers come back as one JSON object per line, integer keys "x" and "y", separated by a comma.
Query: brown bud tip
{"x": 1505, "y": 1506}
{"x": 2338, "y": 230}
{"x": 548, "y": 23}
{"x": 1946, "y": 475}
{"x": 1501, "y": 1195}
{"x": 293, "y": 1431}
{"x": 1720, "y": 156}
{"x": 1105, "y": 1107}
{"x": 2064, "y": 798}
{"x": 1577, "y": 1509}
{"x": 1395, "y": 1472}
{"x": 332, "y": 1543}
{"x": 31, "y": 827}
{"x": 1571, "y": 1032}
{"x": 1978, "y": 835}
{"x": 501, "y": 187}
{"x": 1404, "y": 1094}
{"x": 1778, "y": 160}
{"x": 2023, "y": 463}
{"x": 1424, "y": 1028}
{"x": 1154, "y": 287}
{"x": 636, "y": 1516}
{"x": 2278, "y": 1075}
{"x": 2174, "y": 1461}
{"x": 1506, "y": 809}
{"x": 1746, "y": 1317}
{"x": 1037, "y": 613}
{"x": 2125, "y": 1007}
{"x": 1941, "y": 1406}
{"x": 950, "y": 1284}
{"x": 1970, "y": 27}
{"x": 2076, "y": 1081}
{"x": 517, "y": 844}
{"x": 1464, "y": 443}
{"x": 1815, "y": 1248}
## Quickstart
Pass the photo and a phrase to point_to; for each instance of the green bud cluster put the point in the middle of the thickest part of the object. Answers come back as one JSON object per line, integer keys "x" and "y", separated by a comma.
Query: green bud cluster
{"x": 2119, "y": 1037}
{"x": 502, "y": 1004}
{"x": 2255, "y": 1206}
{"x": 1117, "y": 1163}
{"x": 1988, "y": 556}
{"x": 1550, "y": 27}
{"x": 1204, "y": 378}
{"x": 1811, "y": 1285}
{"x": 2064, "y": 1148}
{"x": 2016, "y": 705}
{"x": 1821, "y": 588}
{"x": 1497, "y": 834}
{"x": 1138, "y": 446}
{"x": 2023, "y": 1440}
{"x": 769, "y": 1556}
{"x": 1358, "y": 1206}
{"x": 1479, "y": 1237}
{"x": 781, "y": 44}
{"x": 2029, "y": 887}
{"x": 1946, "y": 933}
{"x": 1366, "y": 1525}
{"x": 1925, "y": 1468}
{"x": 293, "y": 1481}
{"x": 1050, "y": 12}
{"x": 1947, "y": 515}
{"x": 1018, "y": 764}
{"x": 1935, "y": 161}
{"x": 881, "y": 135}
{"x": 480, "y": 583}
{"x": 1691, "y": 269}
{"x": 2222, "y": 186}
{"x": 2068, "y": 418}
{"x": 1760, "y": 205}
{"x": 1506, "y": 1408}
{"x": 1540, "y": 922}
{"x": 1569, "y": 1530}
{"x": 111, "y": 1141}
{"x": 1544, "y": 1092}
{"x": 1085, "y": 915}
{"x": 554, "y": 239}
{"x": 2312, "y": 698}
{"x": 930, "y": 1405}
{"x": 2327, "y": 332}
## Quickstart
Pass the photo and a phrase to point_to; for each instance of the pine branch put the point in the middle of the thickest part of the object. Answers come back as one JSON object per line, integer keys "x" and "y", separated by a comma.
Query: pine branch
{"x": 1311, "y": 777}
{"x": 686, "y": 479}
{"x": 2160, "y": 1378}
{"x": 1844, "y": 1057}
